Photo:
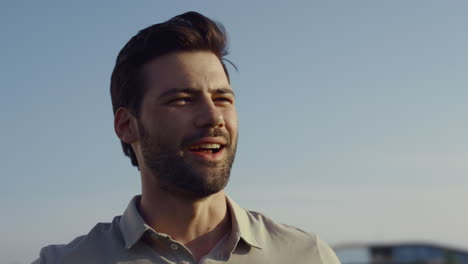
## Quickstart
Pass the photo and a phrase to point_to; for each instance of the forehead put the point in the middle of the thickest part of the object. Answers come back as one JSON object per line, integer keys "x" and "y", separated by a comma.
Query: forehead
{"x": 196, "y": 70}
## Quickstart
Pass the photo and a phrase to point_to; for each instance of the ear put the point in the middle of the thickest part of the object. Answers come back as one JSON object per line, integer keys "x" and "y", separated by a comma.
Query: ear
{"x": 125, "y": 125}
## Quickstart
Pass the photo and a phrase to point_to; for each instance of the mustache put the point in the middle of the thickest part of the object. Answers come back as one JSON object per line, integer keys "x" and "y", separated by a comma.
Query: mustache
{"x": 214, "y": 132}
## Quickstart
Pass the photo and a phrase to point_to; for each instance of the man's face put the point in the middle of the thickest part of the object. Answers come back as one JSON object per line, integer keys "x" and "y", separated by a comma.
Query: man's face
{"x": 188, "y": 124}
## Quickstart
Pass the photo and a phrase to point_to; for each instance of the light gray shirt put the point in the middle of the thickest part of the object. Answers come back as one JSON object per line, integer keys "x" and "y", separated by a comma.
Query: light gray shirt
{"x": 254, "y": 238}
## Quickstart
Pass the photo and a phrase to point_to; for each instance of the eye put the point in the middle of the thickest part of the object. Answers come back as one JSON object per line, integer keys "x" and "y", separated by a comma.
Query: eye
{"x": 182, "y": 100}
{"x": 223, "y": 100}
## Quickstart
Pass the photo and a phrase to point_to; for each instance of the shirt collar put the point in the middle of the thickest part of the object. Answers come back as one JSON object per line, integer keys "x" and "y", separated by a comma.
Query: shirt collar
{"x": 241, "y": 223}
{"x": 133, "y": 226}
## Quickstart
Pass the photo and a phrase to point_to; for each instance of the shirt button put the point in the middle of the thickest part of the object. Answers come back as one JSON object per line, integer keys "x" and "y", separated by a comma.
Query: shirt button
{"x": 174, "y": 247}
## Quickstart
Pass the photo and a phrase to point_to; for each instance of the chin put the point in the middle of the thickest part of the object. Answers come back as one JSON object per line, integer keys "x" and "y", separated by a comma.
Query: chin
{"x": 191, "y": 195}
{"x": 198, "y": 186}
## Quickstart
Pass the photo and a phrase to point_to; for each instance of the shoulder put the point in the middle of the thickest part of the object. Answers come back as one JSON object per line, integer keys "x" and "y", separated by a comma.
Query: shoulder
{"x": 264, "y": 227}
{"x": 101, "y": 237}
{"x": 280, "y": 237}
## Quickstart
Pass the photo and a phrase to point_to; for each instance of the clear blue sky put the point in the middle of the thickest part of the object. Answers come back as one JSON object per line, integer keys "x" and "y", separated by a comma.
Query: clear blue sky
{"x": 353, "y": 116}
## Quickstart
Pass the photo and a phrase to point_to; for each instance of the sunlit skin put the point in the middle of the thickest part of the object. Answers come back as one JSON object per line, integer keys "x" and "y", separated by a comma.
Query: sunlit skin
{"x": 188, "y": 95}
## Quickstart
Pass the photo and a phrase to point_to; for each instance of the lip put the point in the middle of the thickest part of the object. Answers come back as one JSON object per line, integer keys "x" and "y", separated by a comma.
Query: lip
{"x": 208, "y": 156}
{"x": 209, "y": 140}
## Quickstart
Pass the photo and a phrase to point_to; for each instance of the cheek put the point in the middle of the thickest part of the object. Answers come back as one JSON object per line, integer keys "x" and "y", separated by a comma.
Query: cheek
{"x": 175, "y": 129}
{"x": 231, "y": 121}
{"x": 163, "y": 129}
{"x": 173, "y": 119}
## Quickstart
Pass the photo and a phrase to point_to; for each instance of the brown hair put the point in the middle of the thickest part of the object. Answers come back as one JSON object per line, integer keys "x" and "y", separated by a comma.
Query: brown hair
{"x": 190, "y": 31}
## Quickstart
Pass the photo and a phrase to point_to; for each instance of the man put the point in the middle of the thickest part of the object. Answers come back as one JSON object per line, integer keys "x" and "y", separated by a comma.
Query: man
{"x": 174, "y": 112}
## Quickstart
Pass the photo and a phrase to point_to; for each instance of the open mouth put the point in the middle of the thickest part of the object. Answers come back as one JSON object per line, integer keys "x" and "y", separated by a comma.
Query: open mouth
{"x": 207, "y": 148}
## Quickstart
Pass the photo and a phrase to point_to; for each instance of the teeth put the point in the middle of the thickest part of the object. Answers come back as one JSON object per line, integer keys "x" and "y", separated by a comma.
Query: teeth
{"x": 206, "y": 146}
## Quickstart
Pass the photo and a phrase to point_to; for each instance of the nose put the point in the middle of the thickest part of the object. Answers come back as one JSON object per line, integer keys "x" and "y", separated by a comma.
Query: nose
{"x": 208, "y": 115}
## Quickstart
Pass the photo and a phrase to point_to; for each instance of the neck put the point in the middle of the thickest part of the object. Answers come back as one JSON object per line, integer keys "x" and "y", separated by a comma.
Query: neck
{"x": 199, "y": 224}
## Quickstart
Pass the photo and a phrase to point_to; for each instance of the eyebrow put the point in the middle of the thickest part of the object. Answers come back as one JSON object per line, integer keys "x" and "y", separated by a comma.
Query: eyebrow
{"x": 194, "y": 91}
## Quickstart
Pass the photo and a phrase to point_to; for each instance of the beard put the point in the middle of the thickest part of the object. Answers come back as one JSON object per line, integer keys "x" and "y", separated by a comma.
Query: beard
{"x": 175, "y": 175}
